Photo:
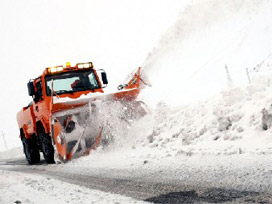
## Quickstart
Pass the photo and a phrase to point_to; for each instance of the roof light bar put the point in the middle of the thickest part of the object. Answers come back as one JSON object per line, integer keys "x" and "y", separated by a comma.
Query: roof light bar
{"x": 80, "y": 66}
{"x": 85, "y": 65}
{"x": 53, "y": 70}
{"x": 59, "y": 69}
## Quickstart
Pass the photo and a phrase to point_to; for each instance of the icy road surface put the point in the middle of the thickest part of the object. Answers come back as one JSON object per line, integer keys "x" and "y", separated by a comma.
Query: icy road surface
{"x": 190, "y": 179}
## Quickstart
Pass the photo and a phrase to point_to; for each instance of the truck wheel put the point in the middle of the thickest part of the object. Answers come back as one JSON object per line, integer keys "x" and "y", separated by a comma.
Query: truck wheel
{"x": 31, "y": 150}
{"x": 47, "y": 147}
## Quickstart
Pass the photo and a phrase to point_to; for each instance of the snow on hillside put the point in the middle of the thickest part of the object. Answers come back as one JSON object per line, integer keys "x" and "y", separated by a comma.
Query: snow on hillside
{"x": 228, "y": 123}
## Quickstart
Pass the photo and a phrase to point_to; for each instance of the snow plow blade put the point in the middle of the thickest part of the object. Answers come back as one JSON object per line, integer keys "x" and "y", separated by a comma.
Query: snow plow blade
{"x": 87, "y": 151}
{"x": 78, "y": 125}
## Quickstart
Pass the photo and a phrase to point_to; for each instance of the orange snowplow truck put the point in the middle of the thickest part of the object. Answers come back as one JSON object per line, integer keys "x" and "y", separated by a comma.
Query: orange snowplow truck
{"x": 62, "y": 118}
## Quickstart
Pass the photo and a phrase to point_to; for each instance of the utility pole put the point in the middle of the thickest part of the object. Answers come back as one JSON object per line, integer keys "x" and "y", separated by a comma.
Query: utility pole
{"x": 248, "y": 76}
{"x": 230, "y": 82}
{"x": 4, "y": 139}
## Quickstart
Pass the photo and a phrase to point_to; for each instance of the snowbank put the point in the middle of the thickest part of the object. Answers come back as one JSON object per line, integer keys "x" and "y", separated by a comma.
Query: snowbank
{"x": 228, "y": 123}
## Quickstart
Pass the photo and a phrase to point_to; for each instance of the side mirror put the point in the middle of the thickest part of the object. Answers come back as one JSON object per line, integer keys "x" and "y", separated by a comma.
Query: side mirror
{"x": 31, "y": 90}
{"x": 104, "y": 78}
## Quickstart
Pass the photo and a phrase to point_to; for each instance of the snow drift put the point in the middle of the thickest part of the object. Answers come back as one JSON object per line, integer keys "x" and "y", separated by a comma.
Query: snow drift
{"x": 228, "y": 123}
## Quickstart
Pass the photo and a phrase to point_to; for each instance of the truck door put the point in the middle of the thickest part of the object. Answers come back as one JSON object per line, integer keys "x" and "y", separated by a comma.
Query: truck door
{"x": 38, "y": 99}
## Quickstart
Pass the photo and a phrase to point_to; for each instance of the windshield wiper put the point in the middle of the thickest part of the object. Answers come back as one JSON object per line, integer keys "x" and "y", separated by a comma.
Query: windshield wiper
{"x": 64, "y": 91}
{"x": 85, "y": 88}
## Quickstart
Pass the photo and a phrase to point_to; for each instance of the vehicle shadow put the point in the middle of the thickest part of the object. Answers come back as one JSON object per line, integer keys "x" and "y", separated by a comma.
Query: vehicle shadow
{"x": 216, "y": 195}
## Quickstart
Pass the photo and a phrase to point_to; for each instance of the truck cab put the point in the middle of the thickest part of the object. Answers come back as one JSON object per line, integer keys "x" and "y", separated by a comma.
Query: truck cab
{"x": 35, "y": 121}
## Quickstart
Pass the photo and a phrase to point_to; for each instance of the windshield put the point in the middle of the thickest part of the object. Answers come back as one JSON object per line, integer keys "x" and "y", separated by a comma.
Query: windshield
{"x": 71, "y": 82}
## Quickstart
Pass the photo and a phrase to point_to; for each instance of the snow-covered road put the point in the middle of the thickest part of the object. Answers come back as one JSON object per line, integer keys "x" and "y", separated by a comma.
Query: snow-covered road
{"x": 191, "y": 179}
{"x": 21, "y": 183}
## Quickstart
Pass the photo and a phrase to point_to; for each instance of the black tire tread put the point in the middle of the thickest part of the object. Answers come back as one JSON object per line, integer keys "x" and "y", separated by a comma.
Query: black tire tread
{"x": 47, "y": 147}
{"x": 31, "y": 150}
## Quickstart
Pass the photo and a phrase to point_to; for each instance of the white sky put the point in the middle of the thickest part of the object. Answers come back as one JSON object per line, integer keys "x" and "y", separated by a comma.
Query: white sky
{"x": 115, "y": 35}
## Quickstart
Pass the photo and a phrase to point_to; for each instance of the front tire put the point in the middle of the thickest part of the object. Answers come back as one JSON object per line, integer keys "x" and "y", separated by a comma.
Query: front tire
{"x": 47, "y": 147}
{"x": 31, "y": 150}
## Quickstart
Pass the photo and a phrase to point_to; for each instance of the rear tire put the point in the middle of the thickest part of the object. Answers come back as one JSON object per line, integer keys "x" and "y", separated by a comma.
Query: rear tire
{"x": 47, "y": 147}
{"x": 31, "y": 150}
